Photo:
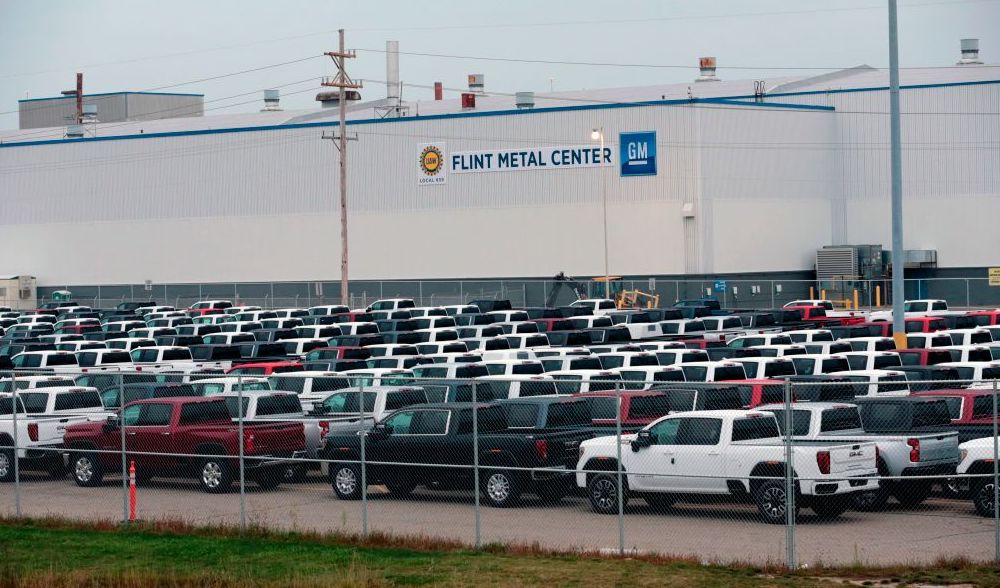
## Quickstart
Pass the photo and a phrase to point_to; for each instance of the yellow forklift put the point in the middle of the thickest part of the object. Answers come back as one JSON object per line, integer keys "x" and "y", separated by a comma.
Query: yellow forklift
{"x": 613, "y": 287}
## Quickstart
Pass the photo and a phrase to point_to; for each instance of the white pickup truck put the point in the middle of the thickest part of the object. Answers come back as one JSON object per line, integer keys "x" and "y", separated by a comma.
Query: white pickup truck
{"x": 828, "y": 307}
{"x": 42, "y": 417}
{"x": 163, "y": 358}
{"x": 978, "y": 463}
{"x": 737, "y": 453}
{"x": 909, "y": 454}
{"x": 915, "y": 308}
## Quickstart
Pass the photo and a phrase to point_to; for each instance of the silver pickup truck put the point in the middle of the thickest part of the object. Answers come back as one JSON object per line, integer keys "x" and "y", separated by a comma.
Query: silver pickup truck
{"x": 900, "y": 455}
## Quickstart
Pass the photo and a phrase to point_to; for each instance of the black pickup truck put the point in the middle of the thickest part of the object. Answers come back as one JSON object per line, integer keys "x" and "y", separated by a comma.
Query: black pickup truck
{"x": 432, "y": 445}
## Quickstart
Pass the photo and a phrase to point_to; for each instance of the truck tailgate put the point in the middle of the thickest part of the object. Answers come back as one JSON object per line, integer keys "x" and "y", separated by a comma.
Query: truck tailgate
{"x": 937, "y": 447}
{"x": 853, "y": 459}
{"x": 276, "y": 438}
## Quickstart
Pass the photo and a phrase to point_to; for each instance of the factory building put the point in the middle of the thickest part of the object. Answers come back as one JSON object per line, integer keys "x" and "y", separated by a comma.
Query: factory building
{"x": 708, "y": 178}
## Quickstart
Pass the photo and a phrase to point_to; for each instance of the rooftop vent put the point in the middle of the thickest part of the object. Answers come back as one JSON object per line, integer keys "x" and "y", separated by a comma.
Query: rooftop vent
{"x": 970, "y": 53}
{"x": 477, "y": 82}
{"x": 438, "y": 91}
{"x": 707, "y": 67}
{"x": 524, "y": 100}
{"x": 74, "y": 131}
{"x": 271, "y": 99}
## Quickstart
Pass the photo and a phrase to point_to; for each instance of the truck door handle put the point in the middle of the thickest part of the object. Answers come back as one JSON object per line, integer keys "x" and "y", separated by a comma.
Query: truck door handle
{"x": 165, "y": 433}
{"x": 130, "y": 433}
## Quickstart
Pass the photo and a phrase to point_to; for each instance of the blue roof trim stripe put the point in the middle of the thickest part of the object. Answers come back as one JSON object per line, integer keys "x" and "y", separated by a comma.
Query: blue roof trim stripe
{"x": 110, "y": 94}
{"x": 369, "y": 121}
{"x": 729, "y": 100}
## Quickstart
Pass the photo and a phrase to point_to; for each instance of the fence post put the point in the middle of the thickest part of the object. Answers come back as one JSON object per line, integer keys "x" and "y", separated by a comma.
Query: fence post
{"x": 17, "y": 465}
{"x": 621, "y": 486}
{"x": 364, "y": 472}
{"x": 996, "y": 482}
{"x": 789, "y": 482}
{"x": 124, "y": 444}
{"x": 968, "y": 298}
{"x": 243, "y": 479}
{"x": 475, "y": 460}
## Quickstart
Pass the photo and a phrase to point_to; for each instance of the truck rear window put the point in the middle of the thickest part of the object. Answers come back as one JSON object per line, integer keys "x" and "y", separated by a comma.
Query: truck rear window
{"x": 34, "y": 402}
{"x": 78, "y": 400}
{"x": 955, "y": 407}
{"x": 280, "y": 404}
{"x": 537, "y": 388}
{"x": 522, "y": 416}
{"x": 568, "y": 414}
{"x": 887, "y": 361}
{"x": 931, "y": 413}
{"x": 61, "y": 359}
{"x": 726, "y": 373}
{"x": 982, "y": 407}
{"x": 204, "y": 412}
{"x": 648, "y": 407}
{"x": 779, "y": 368}
{"x": 839, "y": 419}
{"x": 755, "y": 428}
{"x": 800, "y": 421}
{"x": 403, "y": 398}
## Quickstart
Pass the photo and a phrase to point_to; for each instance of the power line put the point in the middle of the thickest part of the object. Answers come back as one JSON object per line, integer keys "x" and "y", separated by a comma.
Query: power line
{"x": 633, "y": 65}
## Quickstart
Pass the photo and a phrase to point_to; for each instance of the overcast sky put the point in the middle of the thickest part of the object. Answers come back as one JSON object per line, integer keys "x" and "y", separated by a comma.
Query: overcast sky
{"x": 140, "y": 44}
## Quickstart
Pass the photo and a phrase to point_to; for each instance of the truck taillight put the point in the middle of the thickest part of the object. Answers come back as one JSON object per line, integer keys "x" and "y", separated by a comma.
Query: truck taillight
{"x": 823, "y": 461}
{"x": 33, "y": 431}
{"x": 324, "y": 429}
{"x": 914, "y": 449}
{"x": 542, "y": 449}
{"x": 248, "y": 443}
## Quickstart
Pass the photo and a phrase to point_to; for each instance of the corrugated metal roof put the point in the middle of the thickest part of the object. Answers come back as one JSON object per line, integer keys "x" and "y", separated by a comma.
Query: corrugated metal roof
{"x": 860, "y": 77}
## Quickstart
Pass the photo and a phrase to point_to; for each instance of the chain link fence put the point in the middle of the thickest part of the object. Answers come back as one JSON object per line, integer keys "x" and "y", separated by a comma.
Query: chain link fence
{"x": 732, "y": 293}
{"x": 593, "y": 467}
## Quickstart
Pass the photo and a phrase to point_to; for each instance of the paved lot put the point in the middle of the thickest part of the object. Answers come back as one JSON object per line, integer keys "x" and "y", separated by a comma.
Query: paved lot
{"x": 717, "y": 532}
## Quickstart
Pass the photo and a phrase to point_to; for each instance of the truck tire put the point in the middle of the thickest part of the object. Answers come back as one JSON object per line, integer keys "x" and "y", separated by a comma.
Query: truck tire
{"x": 602, "y": 490}
{"x": 500, "y": 488}
{"x": 982, "y": 498}
{"x": 771, "y": 500}
{"x": 7, "y": 465}
{"x": 346, "y": 481}
{"x": 659, "y": 502}
{"x": 87, "y": 470}
{"x": 913, "y": 493}
{"x": 871, "y": 500}
{"x": 831, "y": 507}
{"x": 214, "y": 475}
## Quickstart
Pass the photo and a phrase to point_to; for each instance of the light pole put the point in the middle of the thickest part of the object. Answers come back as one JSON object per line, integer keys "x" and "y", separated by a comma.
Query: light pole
{"x": 598, "y": 134}
{"x": 896, "y": 171}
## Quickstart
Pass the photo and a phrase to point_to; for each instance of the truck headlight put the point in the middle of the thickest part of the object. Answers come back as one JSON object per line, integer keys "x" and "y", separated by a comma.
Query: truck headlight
{"x": 962, "y": 454}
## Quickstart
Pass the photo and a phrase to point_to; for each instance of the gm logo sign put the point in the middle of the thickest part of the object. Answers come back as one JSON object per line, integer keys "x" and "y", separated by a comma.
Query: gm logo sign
{"x": 638, "y": 153}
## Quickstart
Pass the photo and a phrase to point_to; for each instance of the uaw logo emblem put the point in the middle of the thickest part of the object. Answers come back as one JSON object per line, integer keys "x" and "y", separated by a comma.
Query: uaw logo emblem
{"x": 431, "y": 164}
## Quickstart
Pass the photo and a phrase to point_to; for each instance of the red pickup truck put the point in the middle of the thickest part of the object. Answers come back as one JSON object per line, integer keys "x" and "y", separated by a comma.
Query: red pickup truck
{"x": 265, "y": 368}
{"x": 817, "y": 315}
{"x": 183, "y": 437}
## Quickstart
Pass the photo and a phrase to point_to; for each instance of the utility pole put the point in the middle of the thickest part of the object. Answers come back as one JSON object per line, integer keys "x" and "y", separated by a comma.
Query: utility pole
{"x": 79, "y": 98}
{"x": 896, "y": 170}
{"x": 344, "y": 83}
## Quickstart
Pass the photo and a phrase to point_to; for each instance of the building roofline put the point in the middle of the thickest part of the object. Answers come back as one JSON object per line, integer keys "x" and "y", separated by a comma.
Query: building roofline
{"x": 747, "y": 100}
{"x": 73, "y": 97}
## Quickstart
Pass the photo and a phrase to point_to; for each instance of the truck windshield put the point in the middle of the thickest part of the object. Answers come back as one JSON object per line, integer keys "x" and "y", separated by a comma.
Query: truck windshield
{"x": 6, "y": 406}
{"x": 348, "y": 402}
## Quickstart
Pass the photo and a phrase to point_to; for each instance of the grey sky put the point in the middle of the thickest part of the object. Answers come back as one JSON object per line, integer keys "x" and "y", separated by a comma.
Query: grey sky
{"x": 138, "y": 45}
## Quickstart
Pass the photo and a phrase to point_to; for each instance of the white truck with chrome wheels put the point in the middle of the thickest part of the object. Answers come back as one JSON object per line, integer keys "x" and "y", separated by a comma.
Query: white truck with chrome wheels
{"x": 736, "y": 453}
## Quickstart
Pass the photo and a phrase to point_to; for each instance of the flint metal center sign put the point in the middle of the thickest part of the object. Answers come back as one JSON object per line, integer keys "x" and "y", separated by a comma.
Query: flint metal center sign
{"x": 533, "y": 158}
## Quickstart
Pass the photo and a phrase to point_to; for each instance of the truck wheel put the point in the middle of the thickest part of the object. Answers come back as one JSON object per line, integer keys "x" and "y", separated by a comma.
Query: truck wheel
{"x": 982, "y": 499}
{"x": 500, "y": 488}
{"x": 602, "y": 490}
{"x": 772, "y": 501}
{"x": 214, "y": 475}
{"x": 659, "y": 502}
{"x": 7, "y": 465}
{"x": 552, "y": 491}
{"x": 871, "y": 500}
{"x": 346, "y": 479}
{"x": 87, "y": 471}
{"x": 831, "y": 507}
{"x": 912, "y": 494}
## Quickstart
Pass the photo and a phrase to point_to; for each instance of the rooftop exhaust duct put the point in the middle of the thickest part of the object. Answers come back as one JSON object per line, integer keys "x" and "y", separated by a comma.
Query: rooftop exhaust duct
{"x": 970, "y": 53}
{"x": 271, "y": 100}
{"x": 392, "y": 72}
{"x": 524, "y": 100}
{"x": 707, "y": 67}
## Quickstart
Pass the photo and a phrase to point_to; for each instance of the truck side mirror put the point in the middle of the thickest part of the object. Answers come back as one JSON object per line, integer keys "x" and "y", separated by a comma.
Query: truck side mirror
{"x": 380, "y": 431}
{"x": 642, "y": 440}
{"x": 111, "y": 424}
